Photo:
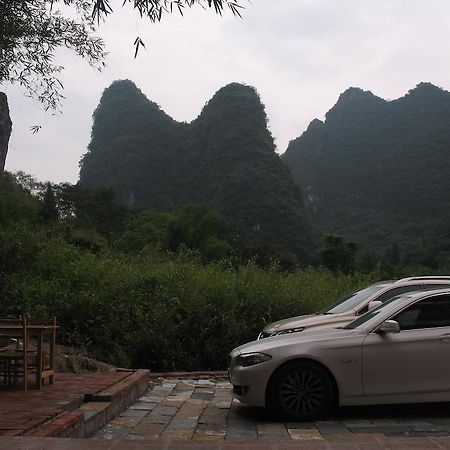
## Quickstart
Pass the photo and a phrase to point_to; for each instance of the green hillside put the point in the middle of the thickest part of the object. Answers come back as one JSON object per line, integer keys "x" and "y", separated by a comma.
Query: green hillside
{"x": 376, "y": 171}
{"x": 225, "y": 158}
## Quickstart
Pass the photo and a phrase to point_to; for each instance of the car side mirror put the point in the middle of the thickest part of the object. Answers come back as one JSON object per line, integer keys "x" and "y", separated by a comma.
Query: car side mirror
{"x": 374, "y": 304}
{"x": 389, "y": 326}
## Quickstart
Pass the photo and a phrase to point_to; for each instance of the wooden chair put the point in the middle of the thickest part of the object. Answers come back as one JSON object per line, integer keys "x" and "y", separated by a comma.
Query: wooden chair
{"x": 17, "y": 363}
{"x": 46, "y": 349}
{"x": 6, "y": 341}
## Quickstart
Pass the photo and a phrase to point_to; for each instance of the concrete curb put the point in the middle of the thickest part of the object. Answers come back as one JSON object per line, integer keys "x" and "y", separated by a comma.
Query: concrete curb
{"x": 200, "y": 374}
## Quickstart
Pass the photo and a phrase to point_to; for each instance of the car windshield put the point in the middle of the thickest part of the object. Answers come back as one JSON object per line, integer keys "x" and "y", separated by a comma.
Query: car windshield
{"x": 371, "y": 316}
{"x": 352, "y": 301}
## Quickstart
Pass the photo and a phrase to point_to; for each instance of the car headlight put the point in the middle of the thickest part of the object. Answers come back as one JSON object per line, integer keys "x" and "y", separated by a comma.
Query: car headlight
{"x": 251, "y": 359}
{"x": 289, "y": 331}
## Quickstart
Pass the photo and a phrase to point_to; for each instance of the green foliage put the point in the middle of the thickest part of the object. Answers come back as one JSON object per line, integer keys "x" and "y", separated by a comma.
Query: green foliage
{"x": 165, "y": 315}
{"x": 130, "y": 302}
{"x": 49, "y": 210}
{"x": 30, "y": 33}
{"x": 338, "y": 255}
{"x": 202, "y": 228}
{"x": 434, "y": 248}
{"x": 160, "y": 290}
{"x": 17, "y": 205}
{"x": 196, "y": 228}
{"x": 95, "y": 210}
{"x": 143, "y": 230}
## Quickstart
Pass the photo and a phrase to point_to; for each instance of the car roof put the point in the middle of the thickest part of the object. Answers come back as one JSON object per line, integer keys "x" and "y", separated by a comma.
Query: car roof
{"x": 425, "y": 279}
{"x": 426, "y": 293}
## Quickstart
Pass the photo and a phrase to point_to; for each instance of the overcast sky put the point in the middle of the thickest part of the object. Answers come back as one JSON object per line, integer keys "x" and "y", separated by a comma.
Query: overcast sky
{"x": 299, "y": 54}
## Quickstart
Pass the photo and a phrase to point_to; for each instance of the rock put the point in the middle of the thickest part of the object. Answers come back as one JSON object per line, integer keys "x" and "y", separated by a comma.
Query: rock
{"x": 5, "y": 129}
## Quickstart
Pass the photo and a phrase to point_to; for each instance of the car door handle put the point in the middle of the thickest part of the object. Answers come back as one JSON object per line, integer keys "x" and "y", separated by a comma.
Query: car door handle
{"x": 445, "y": 338}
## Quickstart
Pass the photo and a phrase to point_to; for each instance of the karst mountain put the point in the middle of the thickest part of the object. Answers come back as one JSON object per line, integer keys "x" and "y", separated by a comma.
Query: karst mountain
{"x": 225, "y": 158}
{"x": 377, "y": 171}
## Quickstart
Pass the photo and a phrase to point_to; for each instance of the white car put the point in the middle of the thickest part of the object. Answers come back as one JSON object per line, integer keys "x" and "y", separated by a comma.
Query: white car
{"x": 344, "y": 311}
{"x": 396, "y": 353}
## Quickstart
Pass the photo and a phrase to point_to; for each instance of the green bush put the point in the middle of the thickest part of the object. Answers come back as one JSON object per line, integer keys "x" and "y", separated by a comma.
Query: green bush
{"x": 171, "y": 313}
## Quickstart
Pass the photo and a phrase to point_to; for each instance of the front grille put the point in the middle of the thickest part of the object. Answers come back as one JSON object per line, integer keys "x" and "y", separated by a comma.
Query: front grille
{"x": 240, "y": 390}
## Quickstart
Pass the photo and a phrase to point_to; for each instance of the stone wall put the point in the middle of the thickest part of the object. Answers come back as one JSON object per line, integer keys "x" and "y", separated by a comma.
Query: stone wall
{"x": 5, "y": 129}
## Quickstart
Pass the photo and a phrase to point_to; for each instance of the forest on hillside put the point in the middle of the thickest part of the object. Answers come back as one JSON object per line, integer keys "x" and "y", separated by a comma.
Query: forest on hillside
{"x": 376, "y": 172}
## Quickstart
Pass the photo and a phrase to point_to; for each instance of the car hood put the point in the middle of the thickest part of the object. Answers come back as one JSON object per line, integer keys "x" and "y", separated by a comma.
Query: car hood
{"x": 311, "y": 320}
{"x": 265, "y": 345}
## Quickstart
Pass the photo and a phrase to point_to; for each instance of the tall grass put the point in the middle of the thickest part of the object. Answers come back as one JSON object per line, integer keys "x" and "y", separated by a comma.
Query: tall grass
{"x": 143, "y": 311}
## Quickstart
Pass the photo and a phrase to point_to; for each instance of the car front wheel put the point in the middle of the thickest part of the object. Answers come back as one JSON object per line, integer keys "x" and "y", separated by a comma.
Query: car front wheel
{"x": 301, "y": 391}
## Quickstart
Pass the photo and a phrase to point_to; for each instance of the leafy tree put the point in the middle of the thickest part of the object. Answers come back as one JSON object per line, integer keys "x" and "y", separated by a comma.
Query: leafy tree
{"x": 93, "y": 210}
{"x": 31, "y": 31}
{"x": 338, "y": 255}
{"x": 144, "y": 229}
{"x": 17, "y": 205}
{"x": 198, "y": 227}
{"x": 49, "y": 211}
{"x": 392, "y": 254}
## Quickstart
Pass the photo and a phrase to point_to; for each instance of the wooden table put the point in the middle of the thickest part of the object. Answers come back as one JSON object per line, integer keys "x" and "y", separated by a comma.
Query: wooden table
{"x": 38, "y": 332}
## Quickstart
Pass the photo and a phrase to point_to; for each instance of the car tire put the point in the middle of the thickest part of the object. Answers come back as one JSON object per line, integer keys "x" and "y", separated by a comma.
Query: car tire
{"x": 301, "y": 391}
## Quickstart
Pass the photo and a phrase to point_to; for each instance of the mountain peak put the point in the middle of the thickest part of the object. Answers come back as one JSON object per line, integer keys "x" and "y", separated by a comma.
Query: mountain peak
{"x": 122, "y": 87}
{"x": 353, "y": 101}
{"x": 356, "y": 95}
{"x": 232, "y": 103}
{"x": 425, "y": 87}
{"x": 426, "y": 91}
{"x": 236, "y": 93}
{"x": 237, "y": 89}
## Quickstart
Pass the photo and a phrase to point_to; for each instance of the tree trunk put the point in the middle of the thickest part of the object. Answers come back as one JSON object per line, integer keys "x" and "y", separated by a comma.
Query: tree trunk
{"x": 5, "y": 129}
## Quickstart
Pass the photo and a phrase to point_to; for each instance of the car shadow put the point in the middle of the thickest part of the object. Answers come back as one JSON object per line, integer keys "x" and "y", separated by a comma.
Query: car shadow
{"x": 406, "y": 411}
{"x": 399, "y": 412}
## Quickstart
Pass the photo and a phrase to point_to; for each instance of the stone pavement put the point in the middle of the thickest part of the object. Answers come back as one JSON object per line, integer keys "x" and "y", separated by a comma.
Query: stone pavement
{"x": 198, "y": 410}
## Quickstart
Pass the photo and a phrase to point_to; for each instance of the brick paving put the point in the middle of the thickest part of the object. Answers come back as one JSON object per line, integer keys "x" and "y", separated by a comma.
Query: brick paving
{"x": 199, "y": 410}
{"x": 21, "y": 412}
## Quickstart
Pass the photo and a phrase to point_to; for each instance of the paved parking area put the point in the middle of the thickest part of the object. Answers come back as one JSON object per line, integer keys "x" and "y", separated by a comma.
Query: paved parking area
{"x": 204, "y": 410}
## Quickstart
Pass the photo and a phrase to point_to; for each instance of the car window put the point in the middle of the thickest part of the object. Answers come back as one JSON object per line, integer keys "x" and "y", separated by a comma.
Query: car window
{"x": 431, "y": 312}
{"x": 392, "y": 293}
{"x": 373, "y": 313}
{"x": 398, "y": 291}
{"x": 352, "y": 301}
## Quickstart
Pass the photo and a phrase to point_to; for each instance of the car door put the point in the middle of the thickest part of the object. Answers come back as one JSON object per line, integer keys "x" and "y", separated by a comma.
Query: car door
{"x": 417, "y": 359}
